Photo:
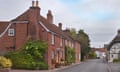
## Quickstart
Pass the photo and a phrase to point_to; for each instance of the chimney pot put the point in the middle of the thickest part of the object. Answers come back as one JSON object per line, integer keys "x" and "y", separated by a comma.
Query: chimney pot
{"x": 119, "y": 31}
{"x": 37, "y": 3}
{"x": 50, "y": 17}
{"x": 60, "y": 25}
{"x": 49, "y": 11}
{"x": 33, "y": 3}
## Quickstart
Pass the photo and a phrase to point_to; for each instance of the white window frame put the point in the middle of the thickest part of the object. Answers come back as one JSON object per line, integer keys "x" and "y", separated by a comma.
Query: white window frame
{"x": 11, "y": 32}
{"x": 61, "y": 42}
{"x": 53, "y": 54}
{"x": 53, "y": 39}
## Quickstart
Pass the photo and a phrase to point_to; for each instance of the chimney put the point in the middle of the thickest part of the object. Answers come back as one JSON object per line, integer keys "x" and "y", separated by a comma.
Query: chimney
{"x": 33, "y": 3}
{"x": 35, "y": 9}
{"x": 119, "y": 31}
{"x": 37, "y": 3}
{"x": 50, "y": 17}
{"x": 60, "y": 25}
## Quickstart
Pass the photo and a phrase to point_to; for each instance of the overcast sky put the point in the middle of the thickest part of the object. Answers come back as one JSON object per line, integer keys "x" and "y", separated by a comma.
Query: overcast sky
{"x": 100, "y": 19}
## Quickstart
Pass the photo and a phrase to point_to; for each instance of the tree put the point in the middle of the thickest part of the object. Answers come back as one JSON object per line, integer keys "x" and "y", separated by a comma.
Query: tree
{"x": 84, "y": 40}
{"x": 73, "y": 32}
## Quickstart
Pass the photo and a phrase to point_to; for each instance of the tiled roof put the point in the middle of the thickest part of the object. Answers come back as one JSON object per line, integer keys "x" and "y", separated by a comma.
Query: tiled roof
{"x": 67, "y": 33}
{"x": 69, "y": 36}
{"x": 99, "y": 49}
{"x": 3, "y": 26}
{"x": 52, "y": 27}
{"x": 22, "y": 17}
{"x": 115, "y": 40}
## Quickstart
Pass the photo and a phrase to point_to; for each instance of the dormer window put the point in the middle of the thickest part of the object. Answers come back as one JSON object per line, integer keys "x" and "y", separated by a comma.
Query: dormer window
{"x": 11, "y": 32}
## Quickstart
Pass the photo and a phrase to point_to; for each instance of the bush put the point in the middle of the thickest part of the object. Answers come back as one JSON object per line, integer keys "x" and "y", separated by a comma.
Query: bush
{"x": 31, "y": 57}
{"x": 21, "y": 60}
{"x": 36, "y": 49}
{"x": 5, "y": 63}
{"x": 116, "y": 60}
{"x": 70, "y": 55}
{"x": 41, "y": 65}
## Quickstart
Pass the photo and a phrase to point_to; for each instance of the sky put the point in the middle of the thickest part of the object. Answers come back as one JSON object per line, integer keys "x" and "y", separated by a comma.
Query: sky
{"x": 100, "y": 19}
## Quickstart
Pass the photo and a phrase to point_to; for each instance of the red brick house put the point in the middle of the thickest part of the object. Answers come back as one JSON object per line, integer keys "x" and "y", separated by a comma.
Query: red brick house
{"x": 32, "y": 25}
{"x": 74, "y": 43}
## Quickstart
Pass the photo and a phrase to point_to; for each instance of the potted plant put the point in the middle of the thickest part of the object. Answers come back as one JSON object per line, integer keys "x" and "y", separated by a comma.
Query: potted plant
{"x": 62, "y": 62}
{"x": 5, "y": 64}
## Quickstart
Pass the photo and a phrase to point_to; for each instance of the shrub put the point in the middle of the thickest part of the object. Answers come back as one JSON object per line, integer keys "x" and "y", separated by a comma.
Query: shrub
{"x": 5, "y": 63}
{"x": 21, "y": 60}
{"x": 70, "y": 55}
{"x": 31, "y": 57}
{"x": 36, "y": 49}
{"x": 116, "y": 60}
{"x": 41, "y": 65}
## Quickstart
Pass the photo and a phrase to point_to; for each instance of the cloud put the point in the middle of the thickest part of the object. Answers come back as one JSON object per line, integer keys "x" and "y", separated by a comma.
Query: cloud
{"x": 99, "y": 18}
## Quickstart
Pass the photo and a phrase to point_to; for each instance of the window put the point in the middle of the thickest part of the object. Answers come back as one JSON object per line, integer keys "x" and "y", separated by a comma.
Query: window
{"x": 65, "y": 42}
{"x": 53, "y": 39}
{"x": 61, "y": 54}
{"x": 11, "y": 32}
{"x": 52, "y": 54}
{"x": 61, "y": 42}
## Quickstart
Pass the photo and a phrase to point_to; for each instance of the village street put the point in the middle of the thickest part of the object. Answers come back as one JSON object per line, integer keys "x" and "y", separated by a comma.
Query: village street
{"x": 95, "y": 65}
{"x": 88, "y": 66}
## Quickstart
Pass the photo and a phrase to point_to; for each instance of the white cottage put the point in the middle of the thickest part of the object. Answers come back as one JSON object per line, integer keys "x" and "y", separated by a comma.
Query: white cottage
{"x": 114, "y": 48}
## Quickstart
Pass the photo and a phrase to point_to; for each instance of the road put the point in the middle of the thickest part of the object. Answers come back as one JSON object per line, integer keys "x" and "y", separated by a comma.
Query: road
{"x": 96, "y": 65}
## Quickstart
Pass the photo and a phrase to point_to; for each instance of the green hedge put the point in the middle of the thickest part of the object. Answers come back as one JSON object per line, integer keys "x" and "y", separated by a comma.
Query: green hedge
{"x": 31, "y": 57}
{"x": 116, "y": 60}
{"x": 25, "y": 61}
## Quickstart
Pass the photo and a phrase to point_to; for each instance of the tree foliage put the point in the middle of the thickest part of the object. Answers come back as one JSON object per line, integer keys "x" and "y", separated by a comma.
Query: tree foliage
{"x": 31, "y": 57}
{"x": 84, "y": 40}
{"x": 35, "y": 49}
{"x": 70, "y": 54}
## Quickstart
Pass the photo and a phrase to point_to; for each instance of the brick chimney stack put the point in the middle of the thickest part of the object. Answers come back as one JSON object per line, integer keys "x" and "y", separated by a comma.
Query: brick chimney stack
{"x": 50, "y": 17}
{"x": 60, "y": 25}
{"x": 119, "y": 31}
{"x": 34, "y": 14}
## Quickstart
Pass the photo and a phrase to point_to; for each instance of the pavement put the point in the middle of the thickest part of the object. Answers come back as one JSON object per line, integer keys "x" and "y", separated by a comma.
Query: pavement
{"x": 52, "y": 70}
{"x": 91, "y": 65}
{"x": 88, "y": 66}
{"x": 114, "y": 67}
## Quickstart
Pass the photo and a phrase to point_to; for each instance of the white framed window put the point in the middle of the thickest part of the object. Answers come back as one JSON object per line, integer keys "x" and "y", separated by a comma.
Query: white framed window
{"x": 53, "y": 54}
{"x": 11, "y": 32}
{"x": 65, "y": 42}
{"x": 53, "y": 39}
{"x": 61, "y": 42}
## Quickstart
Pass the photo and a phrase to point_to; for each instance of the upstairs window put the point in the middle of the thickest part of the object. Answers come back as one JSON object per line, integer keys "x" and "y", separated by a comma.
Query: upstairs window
{"x": 11, "y": 32}
{"x": 53, "y": 39}
{"x": 61, "y": 42}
